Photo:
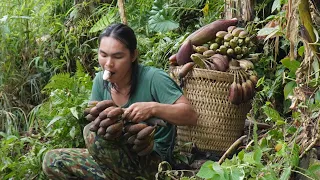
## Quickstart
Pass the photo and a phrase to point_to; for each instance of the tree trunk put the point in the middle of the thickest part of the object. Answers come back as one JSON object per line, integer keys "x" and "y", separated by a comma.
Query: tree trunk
{"x": 240, "y": 9}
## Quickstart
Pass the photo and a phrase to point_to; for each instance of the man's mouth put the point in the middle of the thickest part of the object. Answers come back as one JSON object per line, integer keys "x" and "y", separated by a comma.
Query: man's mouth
{"x": 106, "y": 74}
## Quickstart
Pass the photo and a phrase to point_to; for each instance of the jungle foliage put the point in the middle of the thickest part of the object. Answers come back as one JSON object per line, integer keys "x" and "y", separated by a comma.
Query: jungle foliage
{"x": 48, "y": 59}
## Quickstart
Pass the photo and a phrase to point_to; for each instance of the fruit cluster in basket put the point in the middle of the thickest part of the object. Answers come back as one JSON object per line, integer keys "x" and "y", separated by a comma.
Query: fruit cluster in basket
{"x": 221, "y": 46}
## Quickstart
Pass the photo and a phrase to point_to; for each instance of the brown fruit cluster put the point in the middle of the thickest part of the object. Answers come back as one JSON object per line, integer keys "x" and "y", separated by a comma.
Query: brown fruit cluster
{"x": 243, "y": 87}
{"x": 140, "y": 138}
{"x": 106, "y": 119}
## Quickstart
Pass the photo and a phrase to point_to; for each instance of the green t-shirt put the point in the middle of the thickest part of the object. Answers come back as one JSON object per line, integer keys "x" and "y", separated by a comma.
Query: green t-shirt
{"x": 154, "y": 85}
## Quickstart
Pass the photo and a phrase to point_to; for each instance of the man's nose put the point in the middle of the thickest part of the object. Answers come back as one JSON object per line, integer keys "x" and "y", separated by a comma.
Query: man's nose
{"x": 109, "y": 62}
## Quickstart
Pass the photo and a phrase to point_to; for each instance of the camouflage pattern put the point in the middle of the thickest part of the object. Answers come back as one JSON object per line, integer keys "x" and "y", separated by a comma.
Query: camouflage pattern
{"x": 101, "y": 160}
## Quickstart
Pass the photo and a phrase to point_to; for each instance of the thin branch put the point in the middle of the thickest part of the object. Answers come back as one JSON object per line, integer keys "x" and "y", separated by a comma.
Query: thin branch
{"x": 231, "y": 148}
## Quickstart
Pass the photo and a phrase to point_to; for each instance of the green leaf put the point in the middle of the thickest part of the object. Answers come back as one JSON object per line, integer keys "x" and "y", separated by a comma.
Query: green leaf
{"x": 11, "y": 138}
{"x": 74, "y": 112}
{"x": 301, "y": 51}
{"x": 257, "y": 155}
{"x": 272, "y": 114}
{"x": 162, "y": 18}
{"x": 237, "y": 173}
{"x": 249, "y": 158}
{"x": 217, "y": 168}
{"x": 267, "y": 31}
{"x": 241, "y": 155}
{"x": 295, "y": 155}
{"x": 276, "y": 5}
{"x": 292, "y": 65}
{"x": 206, "y": 170}
{"x": 288, "y": 89}
{"x": 317, "y": 96}
{"x": 55, "y": 119}
{"x": 315, "y": 66}
{"x": 72, "y": 132}
{"x": 260, "y": 81}
{"x": 314, "y": 168}
{"x": 162, "y": 23}
{"x": 285, "y": 175}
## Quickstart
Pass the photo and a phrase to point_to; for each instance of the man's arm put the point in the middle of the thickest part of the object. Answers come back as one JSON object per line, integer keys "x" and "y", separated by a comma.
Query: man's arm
{"x": 179, "y": 113}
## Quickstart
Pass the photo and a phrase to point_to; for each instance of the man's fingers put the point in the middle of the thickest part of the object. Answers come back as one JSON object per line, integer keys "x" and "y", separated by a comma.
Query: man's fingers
{"x": 126, "y": 113}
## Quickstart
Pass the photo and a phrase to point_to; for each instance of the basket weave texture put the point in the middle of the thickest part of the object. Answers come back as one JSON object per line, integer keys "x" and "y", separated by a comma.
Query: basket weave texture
{"x": 220, "y": 122}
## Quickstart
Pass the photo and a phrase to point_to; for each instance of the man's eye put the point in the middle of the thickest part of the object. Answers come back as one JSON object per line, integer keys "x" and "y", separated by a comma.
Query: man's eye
{"x": 103, "y": 55}
{"x": 118, "y": 57}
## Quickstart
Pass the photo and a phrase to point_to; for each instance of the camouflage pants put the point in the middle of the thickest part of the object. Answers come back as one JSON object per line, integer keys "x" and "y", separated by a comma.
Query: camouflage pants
{"x": 101, "y": 160}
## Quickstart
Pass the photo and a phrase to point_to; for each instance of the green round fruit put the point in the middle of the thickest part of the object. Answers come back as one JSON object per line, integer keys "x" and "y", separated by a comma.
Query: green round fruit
{"x": 238, "y": 50}
{"x": 230, "y": 52}
{"x": 214, "y": 46}
{"x": 223, "y": 49}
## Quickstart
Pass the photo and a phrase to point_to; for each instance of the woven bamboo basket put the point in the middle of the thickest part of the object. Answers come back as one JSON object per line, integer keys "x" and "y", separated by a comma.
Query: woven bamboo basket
{"x": 220, "y": 122}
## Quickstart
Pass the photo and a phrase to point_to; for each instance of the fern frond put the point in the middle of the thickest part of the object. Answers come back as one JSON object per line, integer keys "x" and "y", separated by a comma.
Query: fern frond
{"x": 80, "y": 70}
{"x": 59, "y": 81}
{"x": 104, "y": 22}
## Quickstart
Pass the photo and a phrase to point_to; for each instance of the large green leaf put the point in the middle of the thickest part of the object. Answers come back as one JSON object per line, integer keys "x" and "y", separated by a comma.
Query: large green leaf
{"x": 206, "y": 170}
{"x": 292, "y": 65}
{"x": 237, "y": 173}
{"x": 162, "y": 23}
{"x": 162, "y": 18}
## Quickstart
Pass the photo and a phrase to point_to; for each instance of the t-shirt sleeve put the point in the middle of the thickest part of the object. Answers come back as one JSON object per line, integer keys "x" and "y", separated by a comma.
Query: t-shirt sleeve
{"x": 164, "y": 89}
{"x": 97, "y": 88}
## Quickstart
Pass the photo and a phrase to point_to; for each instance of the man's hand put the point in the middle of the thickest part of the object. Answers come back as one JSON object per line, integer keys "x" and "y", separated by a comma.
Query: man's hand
{"x": 139, "y": 111}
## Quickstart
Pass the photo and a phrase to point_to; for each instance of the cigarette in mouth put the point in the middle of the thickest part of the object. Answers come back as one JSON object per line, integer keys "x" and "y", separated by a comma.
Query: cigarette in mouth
{"x": 106, "y": 74}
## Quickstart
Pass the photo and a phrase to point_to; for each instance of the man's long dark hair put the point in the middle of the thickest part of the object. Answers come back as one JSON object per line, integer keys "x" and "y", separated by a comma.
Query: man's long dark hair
{"x": 126, "y": 35}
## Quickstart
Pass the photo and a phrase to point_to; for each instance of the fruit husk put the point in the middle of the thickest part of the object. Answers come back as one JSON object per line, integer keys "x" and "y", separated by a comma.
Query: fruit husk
{"x": 184, "y": 53}
{"x": 173, "y": 60}
{"x": 186, "y": 68}
{"x": 198, "y": 59}
{"x": 223, "y": 58}
{"x": 208, "y": 32}
{"x": 219, "y": 64}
